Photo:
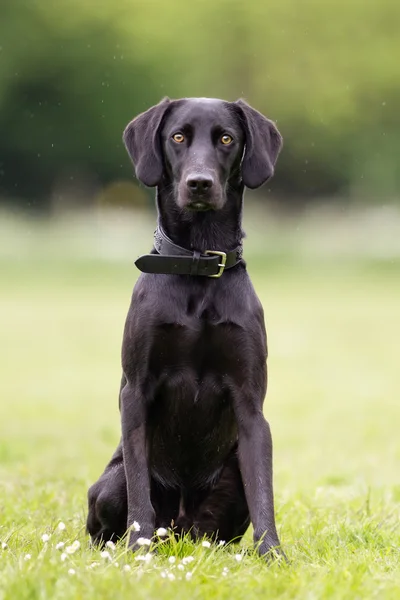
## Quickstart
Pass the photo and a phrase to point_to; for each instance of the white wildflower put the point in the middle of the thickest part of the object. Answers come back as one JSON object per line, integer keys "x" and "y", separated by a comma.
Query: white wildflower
{"x": 172, "y": 559}
{"x": 71, "y": 571}
{"x": 206, "y": 544}
{"x": 144, "y": 557}
{"x": 135, "y": 526}
{"x": 238, "y": 557}
{"x": 27, "y": 557}
{"x": 163, "y": 574}
{"x": 45, "y": 537}
{"x": 93, "y": 565}
{"x": 181, "y": 567}
{"x": 188, "y": 575}
{"x": 106, "y": 555}
{"x": 60, "y": 545}
{"x": 187, "y": 560}
{"x": 110, "y": 545}
{"x": 73, "y": 548}
{"x": 221, "y": 543}
{"x": 63, "y": 557}
{"x": 171, "y": 576}
{"x": 116, "y": 564}
{"x": 61, "y": 526}
{"x": 4, "y": 546}
{"x": 225, "y": 571}
{"x": 161, "y": 532}
{"x": 126, "y": 568}
{"x": 144, "y": 541}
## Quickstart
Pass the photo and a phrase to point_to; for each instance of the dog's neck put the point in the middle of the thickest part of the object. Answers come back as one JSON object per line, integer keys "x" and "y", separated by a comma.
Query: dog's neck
{"x": 209, "y": 230}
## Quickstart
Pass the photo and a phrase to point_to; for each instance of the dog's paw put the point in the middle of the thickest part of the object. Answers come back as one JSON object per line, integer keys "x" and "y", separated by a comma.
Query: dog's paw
{"x": 139, "y": 539}
{"x": 271, "y": 551}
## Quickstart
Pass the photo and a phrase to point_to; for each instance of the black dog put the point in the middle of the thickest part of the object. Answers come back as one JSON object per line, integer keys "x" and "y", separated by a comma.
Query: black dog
{"x": 196, "y": 450}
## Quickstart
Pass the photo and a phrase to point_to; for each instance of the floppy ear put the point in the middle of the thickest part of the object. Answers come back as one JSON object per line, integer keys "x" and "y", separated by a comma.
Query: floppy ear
{"x": 142, "y": 142}
{"x": 263, "y": 144}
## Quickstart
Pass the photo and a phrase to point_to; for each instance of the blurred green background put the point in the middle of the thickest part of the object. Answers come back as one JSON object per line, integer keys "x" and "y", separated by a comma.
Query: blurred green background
{"x": 74, "y": 72}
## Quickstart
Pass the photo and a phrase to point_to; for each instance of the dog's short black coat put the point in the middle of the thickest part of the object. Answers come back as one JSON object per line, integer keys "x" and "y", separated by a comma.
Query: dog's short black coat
{"x": 196, "y": 450}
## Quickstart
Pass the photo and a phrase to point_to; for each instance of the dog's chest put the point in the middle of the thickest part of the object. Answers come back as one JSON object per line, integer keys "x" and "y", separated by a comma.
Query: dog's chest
{"x": 191, "y": 424}
{"x": 203, "y": 346}
{"x": 192, "y": 421}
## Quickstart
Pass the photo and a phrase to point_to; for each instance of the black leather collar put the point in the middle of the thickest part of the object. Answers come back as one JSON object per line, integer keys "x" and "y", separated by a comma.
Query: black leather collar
{"x": 175, "y": 260}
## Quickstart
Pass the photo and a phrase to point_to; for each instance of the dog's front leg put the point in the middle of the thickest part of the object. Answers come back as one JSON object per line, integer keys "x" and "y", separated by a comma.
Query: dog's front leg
{"x": 255, "y": 460}
{"x": 140, "y": 509}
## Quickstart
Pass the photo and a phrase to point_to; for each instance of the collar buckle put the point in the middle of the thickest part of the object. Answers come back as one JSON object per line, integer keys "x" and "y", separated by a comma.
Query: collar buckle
{"x": 221, "y": 264}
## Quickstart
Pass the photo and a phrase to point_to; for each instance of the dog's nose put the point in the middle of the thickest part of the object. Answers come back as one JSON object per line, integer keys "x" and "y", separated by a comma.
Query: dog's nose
{"x": 199, "y": 184}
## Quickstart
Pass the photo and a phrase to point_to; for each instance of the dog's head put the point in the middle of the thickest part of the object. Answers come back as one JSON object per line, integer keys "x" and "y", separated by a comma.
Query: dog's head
{"x": 200, "y": 146}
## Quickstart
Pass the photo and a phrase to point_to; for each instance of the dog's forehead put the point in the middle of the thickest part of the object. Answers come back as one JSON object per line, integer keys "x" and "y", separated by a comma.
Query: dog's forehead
{"x": 202, "y": 112}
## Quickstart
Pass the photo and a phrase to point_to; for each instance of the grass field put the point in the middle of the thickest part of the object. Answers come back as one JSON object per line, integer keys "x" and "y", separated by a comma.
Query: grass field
{"x": 333, "y": 320}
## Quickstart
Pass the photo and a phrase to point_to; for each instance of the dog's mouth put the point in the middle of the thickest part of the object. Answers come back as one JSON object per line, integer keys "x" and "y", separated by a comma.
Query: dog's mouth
{"x": 199, "y": 205}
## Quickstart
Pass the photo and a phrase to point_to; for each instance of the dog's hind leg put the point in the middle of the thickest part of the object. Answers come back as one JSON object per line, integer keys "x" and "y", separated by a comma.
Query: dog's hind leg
{"x": 107, "y": 499}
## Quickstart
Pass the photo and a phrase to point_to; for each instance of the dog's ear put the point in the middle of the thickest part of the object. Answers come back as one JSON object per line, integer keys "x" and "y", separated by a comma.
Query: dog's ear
{"x": 263, "y": 144}
{"x": 141, "y": 139}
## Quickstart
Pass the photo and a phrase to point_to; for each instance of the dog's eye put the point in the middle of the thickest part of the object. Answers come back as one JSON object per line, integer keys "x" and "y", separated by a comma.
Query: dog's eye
{"x": 226, "y": 139}
{"x": 178, "y": 138}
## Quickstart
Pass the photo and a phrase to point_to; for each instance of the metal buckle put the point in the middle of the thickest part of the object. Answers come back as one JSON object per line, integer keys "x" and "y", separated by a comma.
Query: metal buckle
{"x": 221, "y": 264}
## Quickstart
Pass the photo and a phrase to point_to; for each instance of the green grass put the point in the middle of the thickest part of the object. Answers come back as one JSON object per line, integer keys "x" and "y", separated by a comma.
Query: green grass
{"x": 333, "y": 405}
